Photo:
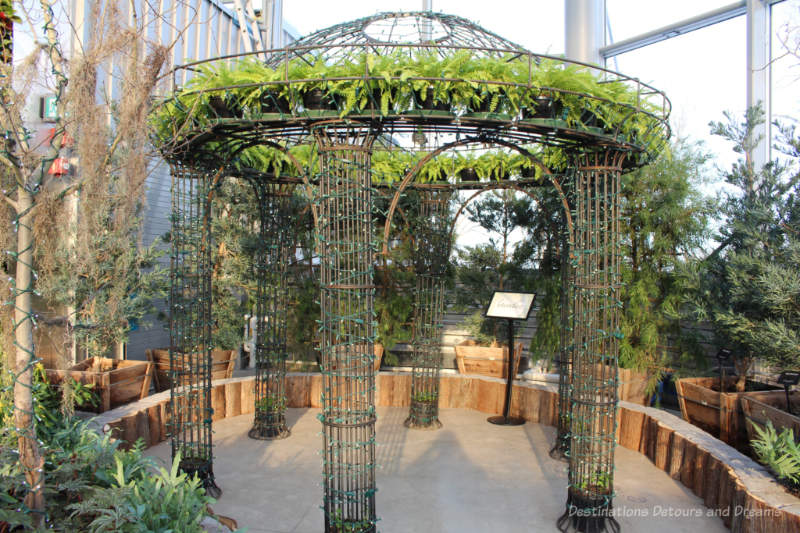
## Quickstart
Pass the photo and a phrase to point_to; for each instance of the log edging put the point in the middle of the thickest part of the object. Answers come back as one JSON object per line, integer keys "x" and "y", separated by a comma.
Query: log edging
{"x": 741, "y": 491}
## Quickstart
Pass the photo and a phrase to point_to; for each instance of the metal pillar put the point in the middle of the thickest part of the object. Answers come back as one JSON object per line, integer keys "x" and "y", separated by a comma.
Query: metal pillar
{"x": 596, "y": 334}
{"x": 584, "y": 27}
{"x": 345, "y": 244}
{"x": 759, "y": 39}
{"x": 272, "y": 305}
{"x": 190, "y": 324}
{"x": 560, "y": 449}
{"x": 431, "y": 254}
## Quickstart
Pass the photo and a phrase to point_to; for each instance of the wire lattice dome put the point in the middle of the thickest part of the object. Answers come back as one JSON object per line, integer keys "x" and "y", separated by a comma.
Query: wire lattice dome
{"x": 385, "y": 32}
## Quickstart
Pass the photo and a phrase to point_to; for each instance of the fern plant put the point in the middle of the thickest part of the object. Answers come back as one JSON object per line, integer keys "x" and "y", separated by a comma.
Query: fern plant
{"x": 779, "y": 452}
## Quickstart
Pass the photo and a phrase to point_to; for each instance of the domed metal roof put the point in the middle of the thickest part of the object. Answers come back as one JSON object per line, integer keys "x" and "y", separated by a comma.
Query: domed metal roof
{"x": 384, "y": 32}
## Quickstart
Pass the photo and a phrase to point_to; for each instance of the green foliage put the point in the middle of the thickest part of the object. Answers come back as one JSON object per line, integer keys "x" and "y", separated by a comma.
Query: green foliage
{"x": 304, "y": 312}
{"x": 50, "y": 403}
{"x": 425, "y": 397}
{"x": 139, "y": 502}
{"x": 399, "y": 81}
{"x": 779, "y": 452}
{"x": 343, "y": 525}
{"x": 394, "y": 296}
{"x": 8, "y": 17}
{"x": 92, "y": 485}
{"x": 271, "y": 403}
{"x": 110, "y": 280}
{"x": 748, "y": 287}
{"x": 235, "y": 235}
{"x": 664, "y": 223}
{"x": 485, "y": 268}
{"x": 547, "y": 339}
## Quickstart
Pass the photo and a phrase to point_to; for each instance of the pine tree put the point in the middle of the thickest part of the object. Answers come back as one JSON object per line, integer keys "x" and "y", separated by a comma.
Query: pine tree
{"x": 664, "y": 221}
{"x": 749, "y": 286}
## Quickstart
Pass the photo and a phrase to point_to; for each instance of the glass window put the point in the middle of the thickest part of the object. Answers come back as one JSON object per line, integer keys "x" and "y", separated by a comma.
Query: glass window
{"x": 703, "y": 74}
{"x": 629, "y": 18}
{"x": 786, "y": 60}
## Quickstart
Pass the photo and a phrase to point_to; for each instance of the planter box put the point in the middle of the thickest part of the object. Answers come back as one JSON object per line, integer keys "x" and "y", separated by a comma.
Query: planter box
{"x": 222, "y": 363}
{"x": 485, "y": 360}
{"x": 115, "y": 381}
{"x": 761, "y": 407}
{"x": 377, "y": 351}
{"x": 632, "y": 387}
{"x": 718, "y": 413}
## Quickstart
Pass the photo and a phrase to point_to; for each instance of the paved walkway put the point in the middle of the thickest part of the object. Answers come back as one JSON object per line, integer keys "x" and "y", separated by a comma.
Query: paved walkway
{"x": 469, "y": 476}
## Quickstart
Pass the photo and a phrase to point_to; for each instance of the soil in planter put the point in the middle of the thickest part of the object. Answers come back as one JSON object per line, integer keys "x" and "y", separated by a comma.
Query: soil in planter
{"x": 428, "y": 104}
{"x": 318, "y": 100}
{"x": 269, "y": 426}
{"x": 587, "y": 514}
{"x": 224, "y": 109}
{"x": 201, "y": 467}
{"x": 468, "y": 174}
{"x": 271, "y": 103}
{"x": 750, "y": 386}
{"x": 423, "y": 415}
{"x": 545, "y": 107}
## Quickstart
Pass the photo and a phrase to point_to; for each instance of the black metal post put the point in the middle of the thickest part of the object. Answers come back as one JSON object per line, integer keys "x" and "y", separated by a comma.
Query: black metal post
{"x": 506, "y": 420}
{"x": 787, "y": 379}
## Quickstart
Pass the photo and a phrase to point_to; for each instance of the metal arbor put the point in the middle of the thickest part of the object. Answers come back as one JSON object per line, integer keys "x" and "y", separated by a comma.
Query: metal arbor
{"x": 596, "y": 335}
{"x": 432, "y": 252}
{"x": 275, "y": 247}
{"x": 374, "y": 109}
{"x": 344, "y": 240}
{"x": 190, "y": 323}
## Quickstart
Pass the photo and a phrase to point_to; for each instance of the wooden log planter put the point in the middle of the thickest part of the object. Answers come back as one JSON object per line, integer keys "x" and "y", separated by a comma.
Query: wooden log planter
{"x": 633, "y": 387}
{"x": 115, "y": 381}
{"x": 222, "y": 363}
{"x": 720, "y": 414}
{"x": 770, "y": 406}
{"x": 740, "y": 491}
{"x": 473, "y": 358}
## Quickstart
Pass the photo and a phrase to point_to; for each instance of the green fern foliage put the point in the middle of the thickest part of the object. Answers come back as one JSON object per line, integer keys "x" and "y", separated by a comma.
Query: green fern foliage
{"x": 779, "y": 452}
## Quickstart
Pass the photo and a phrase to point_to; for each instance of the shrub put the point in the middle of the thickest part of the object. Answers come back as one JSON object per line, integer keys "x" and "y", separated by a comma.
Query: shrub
{"x": 92, "y": 485}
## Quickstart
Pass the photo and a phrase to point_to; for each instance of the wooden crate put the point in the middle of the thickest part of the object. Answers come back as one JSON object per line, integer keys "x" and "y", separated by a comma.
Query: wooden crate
{"x": 486, "y": 360}
{"x": 760, "y": 407}
{"x": 718, "y": 413}
{"x": 115, "y": 381}
{"x": 222, "y": 363}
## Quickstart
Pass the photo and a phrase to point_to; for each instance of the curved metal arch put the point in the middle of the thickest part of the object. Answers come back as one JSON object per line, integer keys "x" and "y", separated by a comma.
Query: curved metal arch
{"x": 493, "y": 187}
{"x": 301, "y": 171}
{"x": 463, "y": 142}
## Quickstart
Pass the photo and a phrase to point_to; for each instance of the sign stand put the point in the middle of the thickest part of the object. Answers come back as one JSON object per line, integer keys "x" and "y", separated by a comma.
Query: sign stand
{"x": 787, "y": 379}
{"x": 722, "y": 355}
{"x": 511, "y": 306}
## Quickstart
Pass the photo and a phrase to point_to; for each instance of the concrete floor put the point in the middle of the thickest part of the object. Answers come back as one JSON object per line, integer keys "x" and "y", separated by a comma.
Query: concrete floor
{"x": 469, "y": 476}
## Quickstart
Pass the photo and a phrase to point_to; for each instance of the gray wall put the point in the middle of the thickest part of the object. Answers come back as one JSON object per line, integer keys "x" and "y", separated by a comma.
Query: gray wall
{"x": 152, "y": 332}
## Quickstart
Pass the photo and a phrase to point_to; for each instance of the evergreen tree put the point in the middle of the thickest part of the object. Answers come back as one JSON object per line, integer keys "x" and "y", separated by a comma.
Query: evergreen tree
{"x": 749, "y": 286}
{"x": 496, "y": 265}
{"x": 664, "y": 222}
